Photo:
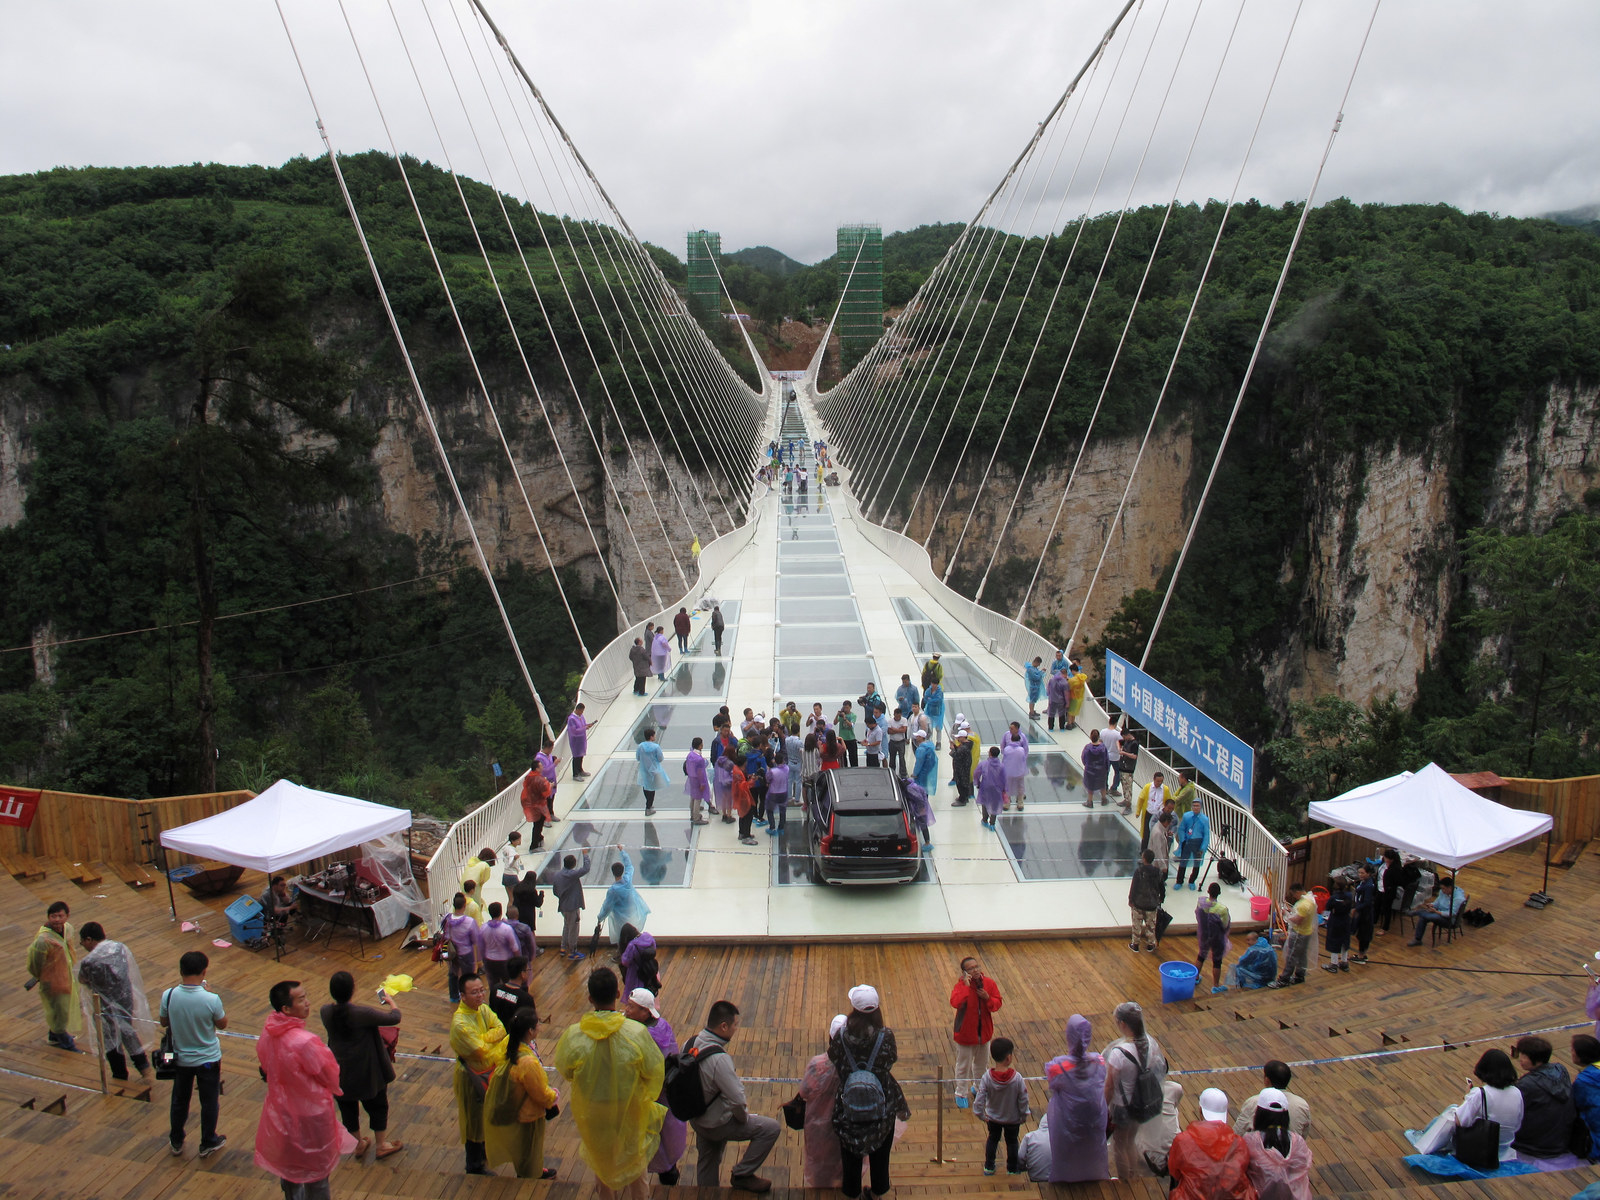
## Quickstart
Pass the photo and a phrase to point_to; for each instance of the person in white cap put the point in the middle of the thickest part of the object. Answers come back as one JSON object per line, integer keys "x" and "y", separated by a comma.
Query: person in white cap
{"x": 1280, "y": 1159}
{"x": 640, "y": 1006}
{"x": 864, "y": 1117}
{"x": 1208, "y": 1160}
{"x": 963, "y": 758}
{"x": 819, "y": 1088}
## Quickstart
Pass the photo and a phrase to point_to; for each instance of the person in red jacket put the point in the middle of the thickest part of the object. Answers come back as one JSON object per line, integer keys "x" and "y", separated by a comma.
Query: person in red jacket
{"x": 976, "y": 998}
{"x": 1208, "y": 1160}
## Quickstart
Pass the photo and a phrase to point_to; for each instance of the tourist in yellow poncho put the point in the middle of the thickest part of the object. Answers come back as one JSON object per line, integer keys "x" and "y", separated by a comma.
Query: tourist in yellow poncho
{"x": 478, "y": 1040}
{"x": 50, "y": 962}
{"x": 520, "y": 1096}
{"x": 616, "y": 1070}
{"x": 1077, "y": 689}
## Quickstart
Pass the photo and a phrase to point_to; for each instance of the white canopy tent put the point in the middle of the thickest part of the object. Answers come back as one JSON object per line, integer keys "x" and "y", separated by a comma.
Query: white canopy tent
{"x": 288, "y": 824}
{"x": 285, "y": 825}
{"x": 1430, "y": 815}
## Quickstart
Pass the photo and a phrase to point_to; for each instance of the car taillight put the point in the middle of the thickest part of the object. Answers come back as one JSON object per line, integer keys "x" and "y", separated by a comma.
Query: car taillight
{"x": 826, "y": 845}
{"x": 910, "y": 836}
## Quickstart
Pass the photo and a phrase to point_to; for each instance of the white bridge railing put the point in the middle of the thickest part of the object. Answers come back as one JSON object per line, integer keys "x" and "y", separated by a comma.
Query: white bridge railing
{"x": 1235, "y": 832}
{"x": 609, "y": 672}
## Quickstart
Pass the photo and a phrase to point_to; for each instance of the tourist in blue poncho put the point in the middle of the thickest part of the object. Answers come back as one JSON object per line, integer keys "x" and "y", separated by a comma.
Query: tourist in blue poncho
{"x": 1257, "y": 966}
{"x": 1033, "y": 673}
{"x": 933, "y": 707}
{"x": 623, "y": 904}
{"x": 652, "y": 771}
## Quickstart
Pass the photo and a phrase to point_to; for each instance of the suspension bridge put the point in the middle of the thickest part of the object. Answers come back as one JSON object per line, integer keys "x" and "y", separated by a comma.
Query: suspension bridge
{"x": 824, "y": 592}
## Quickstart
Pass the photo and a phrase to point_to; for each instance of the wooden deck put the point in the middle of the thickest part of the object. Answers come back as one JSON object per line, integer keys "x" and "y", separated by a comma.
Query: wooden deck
{"x": 1407, "y": 1002}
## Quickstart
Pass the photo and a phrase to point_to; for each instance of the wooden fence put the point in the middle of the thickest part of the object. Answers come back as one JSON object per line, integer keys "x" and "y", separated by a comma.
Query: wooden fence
{"x": 1573, "y": 804}
{"x": 73, "y": 828}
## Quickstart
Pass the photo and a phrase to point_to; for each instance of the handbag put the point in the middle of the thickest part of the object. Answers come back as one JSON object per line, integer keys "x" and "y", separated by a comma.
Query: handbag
{"x": 1163, "y": 919}
{"x": 1478, "y": 1145}
{"x": 165, "y": 1057}
{"x": 794, "y": 1112}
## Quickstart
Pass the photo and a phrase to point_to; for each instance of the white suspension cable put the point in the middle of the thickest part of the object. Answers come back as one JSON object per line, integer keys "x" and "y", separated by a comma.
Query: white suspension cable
{"x": 1138, "y": 295}
{"x": 416, "y": 383}
{"x": 1255, "y": 352}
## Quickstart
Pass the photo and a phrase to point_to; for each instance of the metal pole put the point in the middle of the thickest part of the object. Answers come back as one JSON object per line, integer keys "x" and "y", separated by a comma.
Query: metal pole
{"x": 99, "y": 1037}
{"x": 165, "y": 870}
{"x": 1545, "y": 890}
{"x": 938, "y": 1109}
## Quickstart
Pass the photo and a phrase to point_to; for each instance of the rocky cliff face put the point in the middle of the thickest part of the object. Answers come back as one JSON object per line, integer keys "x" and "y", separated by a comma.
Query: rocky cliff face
{"x": 1377, "y": 557}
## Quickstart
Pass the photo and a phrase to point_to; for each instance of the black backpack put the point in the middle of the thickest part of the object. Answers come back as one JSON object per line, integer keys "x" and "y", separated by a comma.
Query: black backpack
{"x": 861, "y": 1096}
{"x": 686, "y": 1098}
{"x": 1145, "y": 1103}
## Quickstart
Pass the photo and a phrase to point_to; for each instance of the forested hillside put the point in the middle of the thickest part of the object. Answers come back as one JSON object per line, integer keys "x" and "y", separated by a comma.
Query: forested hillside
{"x": 193, "y": 381}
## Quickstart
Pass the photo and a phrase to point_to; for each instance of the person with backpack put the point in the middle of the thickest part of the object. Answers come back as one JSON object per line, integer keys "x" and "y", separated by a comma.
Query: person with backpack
{"x": 1136, "y": 1069}
{"x": 724, "y": 1115}
{"x": 638, "y": 961}
{"x": 869, "y": 1097}
{"x": 976, "y": 998}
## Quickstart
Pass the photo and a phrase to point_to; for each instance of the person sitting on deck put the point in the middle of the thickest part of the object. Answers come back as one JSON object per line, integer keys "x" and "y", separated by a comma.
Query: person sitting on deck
{"x": 1497, "y": 1099}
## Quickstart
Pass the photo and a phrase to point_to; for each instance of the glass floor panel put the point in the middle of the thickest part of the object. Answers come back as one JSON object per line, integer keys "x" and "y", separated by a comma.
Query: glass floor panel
{"x": 791, "y": 548}
{"x": 960, "y": 676}
{"x": 906, "y": 609}
{"x": 826, "y": 566}
{"x": 929, "y": 639}
{"x": 791, "y": 859}
{"x": 991, "y": 717}
{"x": 792, "y": 586}
{"x": 818, "y": 612}
{"x": 817, "y": 641}
{"x": 1052, "y": 777}
{"x": 806, "y": 520}
{"x": 678, "y": 723}
{"x": 705, "y": 643}
{"x": 662, "y": 850}
{"x": 730, "y": 611}
{"x": 1069, "y": 846}
{"x": 705, "y": 677}
{"x": 809, "y": 533}
{"x": 805, "y": 506}
{"x": 806, "y": 679}
{"x": 616, "y": 786}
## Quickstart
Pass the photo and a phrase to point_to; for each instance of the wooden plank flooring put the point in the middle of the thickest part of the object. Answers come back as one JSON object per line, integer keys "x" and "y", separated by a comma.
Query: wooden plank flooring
{"x": 1408, "y": 1002}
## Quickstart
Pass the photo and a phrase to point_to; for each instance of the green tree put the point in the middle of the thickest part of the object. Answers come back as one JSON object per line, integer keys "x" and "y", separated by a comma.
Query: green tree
{"x": 332, "y": 733}
{"x": 1336, "y": 745}
{"x": 502, "y": 731}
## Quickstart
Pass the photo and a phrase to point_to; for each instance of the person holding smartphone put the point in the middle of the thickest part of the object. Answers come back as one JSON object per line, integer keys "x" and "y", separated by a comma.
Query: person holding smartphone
{"x": 976, "y": 998}
{"x": 355, "y": 1035}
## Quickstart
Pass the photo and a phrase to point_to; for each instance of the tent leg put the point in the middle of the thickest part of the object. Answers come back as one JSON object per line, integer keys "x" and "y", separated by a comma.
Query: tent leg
{"x": 1545, "y": 888}
{"x": 172, "y": 903}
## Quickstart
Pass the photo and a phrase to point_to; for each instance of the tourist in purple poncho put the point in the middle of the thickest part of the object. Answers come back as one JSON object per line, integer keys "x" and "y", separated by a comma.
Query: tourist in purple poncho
{"x": 578, "y": 740}
{"x": 640, "y": 1006}
{"x": 696, "y": 786}
{"x": 991, "y": 780}
{"x": 819, "y": 1088}
{"x": 661, "y": 656}
{"x": 1077, "y": 1112}
{"x": 1014, "y": 757}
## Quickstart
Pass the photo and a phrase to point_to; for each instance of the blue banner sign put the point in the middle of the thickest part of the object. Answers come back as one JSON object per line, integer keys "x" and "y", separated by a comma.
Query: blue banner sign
{"x": 1211, "y": 749}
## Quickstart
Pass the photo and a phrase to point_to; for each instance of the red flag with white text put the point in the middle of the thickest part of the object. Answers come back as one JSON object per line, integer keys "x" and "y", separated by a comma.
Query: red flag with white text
{"x": 18, "y": 806}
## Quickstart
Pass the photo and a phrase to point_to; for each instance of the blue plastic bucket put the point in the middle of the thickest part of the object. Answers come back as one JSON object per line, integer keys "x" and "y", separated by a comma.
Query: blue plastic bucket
{"x": 179, "y": 874}
{"x": 1177, "y": 981}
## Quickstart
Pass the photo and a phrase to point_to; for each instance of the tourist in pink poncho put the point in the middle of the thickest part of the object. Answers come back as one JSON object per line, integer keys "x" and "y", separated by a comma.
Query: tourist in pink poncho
{"x": 819, "y": 1088}
{"x": 300, "y": 1138}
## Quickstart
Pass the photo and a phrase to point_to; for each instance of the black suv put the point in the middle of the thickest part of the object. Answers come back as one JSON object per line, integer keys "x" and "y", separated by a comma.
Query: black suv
{"x": 861, "y": 828}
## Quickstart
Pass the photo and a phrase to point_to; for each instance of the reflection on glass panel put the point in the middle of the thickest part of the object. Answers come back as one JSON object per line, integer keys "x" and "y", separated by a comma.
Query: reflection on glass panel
{"x": 822, "y": 676}
{"x": 814, "y": 641}
{"x": 1054, "y": 776}
{"x": 677, "y": 724}
{"x": 698, "y": 677}
{"x": 1069, "y": 846}
{"x": 991, "y": 717}
{"x": 906, "y": 609}
{"x": 825, "y": 566}
{"x": 730, "y": 611}
{"x": 791, "y": 586}
{"x": 660, "y": 849}
{"x": 818, "y": 612}
{"x": 705, "y": 644}
{"x": 961, "y": 676}
{"x": 929, "y": 639}
{"x": 616, "y": 785}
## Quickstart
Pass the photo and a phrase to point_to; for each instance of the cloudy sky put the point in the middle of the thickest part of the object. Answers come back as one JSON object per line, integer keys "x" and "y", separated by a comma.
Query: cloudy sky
{"x": 773, "y": 122}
